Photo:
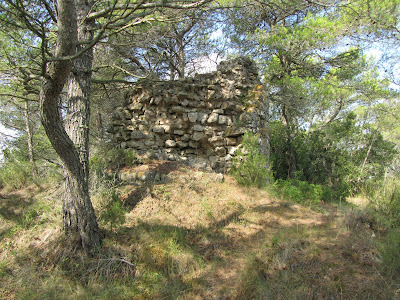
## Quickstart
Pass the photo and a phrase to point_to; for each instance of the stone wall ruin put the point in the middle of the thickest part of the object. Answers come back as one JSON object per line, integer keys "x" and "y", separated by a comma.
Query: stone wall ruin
{"x": 199, "y": 120}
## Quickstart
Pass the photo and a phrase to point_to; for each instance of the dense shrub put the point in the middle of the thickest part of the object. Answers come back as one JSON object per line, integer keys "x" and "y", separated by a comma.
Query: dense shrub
{"x": 250, "y": 165}
{"x": 341, "y": 155}
{"x": 385, "y": 201}
{"x": 390, "y": 252}
{"x": 303, "y": 192}
{"x": 15, "y": 175}
{"x": 384, "y": 206}
{"x": 104, "y": 164}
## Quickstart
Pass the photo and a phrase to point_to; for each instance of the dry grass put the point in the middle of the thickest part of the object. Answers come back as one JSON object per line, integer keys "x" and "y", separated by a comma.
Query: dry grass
{"x": 194, "y": 238}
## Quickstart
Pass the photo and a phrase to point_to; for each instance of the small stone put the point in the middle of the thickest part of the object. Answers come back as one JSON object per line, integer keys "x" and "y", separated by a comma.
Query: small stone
{"x": 149, "y": 143}
{"x": 192, "y": 116}
{"x": 220, "y": 151}
{"x": 232, "y": 150}
{"x": 157, "y": 177}
{"x": 128, "y": 114}
{"x": 197, "y": 136}
{"x": 198, "y": 127}
{"x": 135, "y": 144}
{"x": 179, "y": 132}
{"x": 181, "y": 144}
{"x": 213, "y": 159}
{"x": 222, "y": 120}
{"x": 219, "y": 178}
{"x": 202, "y": 118}
{"x": 185, "y": 137}
{"x": 167, "y": 128}
{"x": 170, "y": 143}
{"x": 217, "y": 140}
{"x": 212, "y": 118}
{"x": 137, "y": 135}
{"x": 231, "y": 141}
{"x": 158, "y": 129}
{"x": 208, "y": 131}
{"x": 135, "y": 106}
{"x": 193, "y": 144}
{"x": 157, "y": 100}
{"x": 178, "y": 109}
{"x": 246, "y": 118}
{"x": 218, "y": 111}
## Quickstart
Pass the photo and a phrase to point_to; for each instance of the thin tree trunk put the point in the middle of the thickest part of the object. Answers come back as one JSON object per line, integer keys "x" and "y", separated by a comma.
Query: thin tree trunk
{"x": 291, "y": 152}
{"x": 181, "y": 57}
{"x": 100, "y": 127}
{"x": 29, "y": 138}
{"x": 264, "y": 126}
{"x": 367, "y": 156}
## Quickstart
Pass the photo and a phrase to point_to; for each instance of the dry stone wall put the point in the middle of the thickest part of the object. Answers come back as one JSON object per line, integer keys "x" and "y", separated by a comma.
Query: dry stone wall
{"x": 198, "y": 120}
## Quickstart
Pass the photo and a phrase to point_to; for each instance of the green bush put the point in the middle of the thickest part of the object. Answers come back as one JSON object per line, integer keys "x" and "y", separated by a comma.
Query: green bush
{"x": 303, "y": 192}
{"x": 113, "y": 212}
{"x": 105, "y": 164}
{"x": 385, "y": 200}
{"x": 249, "y": 165}
{"x": 390, "y": 251}
{"x": 113, "y": 158}
{"x": 15, "y": 175}
{"x": 121, "y": 157}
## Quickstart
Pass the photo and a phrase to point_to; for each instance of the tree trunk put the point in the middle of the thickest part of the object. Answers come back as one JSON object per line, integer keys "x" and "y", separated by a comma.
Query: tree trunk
{"x": 181, "y": 57}
{"x": 29, "y": 138}
{"x": 264, "y": 126}
{"x": 291, "y": 151}
{"x": 78, "y": 213}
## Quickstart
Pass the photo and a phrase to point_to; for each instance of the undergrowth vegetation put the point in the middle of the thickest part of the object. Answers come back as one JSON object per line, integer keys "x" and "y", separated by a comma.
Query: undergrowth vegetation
{"x": 385, "y": 209}
{"x": 192, "y": 237}
{"x": 249, "y": 164}
{"x": 303, "y": 192}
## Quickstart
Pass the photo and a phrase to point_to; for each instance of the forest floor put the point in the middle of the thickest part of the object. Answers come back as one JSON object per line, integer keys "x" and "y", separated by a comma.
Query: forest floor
{"x": 193, "y": 237}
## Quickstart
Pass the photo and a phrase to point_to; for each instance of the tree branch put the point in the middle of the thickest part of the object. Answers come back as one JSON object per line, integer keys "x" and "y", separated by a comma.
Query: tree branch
{"x": 173, "y": 4}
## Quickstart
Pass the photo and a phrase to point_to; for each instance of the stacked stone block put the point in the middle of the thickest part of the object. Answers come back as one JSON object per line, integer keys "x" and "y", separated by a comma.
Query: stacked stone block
{"x": 198, "y": 120}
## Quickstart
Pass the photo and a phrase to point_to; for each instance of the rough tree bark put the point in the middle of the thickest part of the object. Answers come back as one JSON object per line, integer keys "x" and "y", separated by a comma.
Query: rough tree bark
{"x": 78, "y": 213}
{"x": 79, "y": 217}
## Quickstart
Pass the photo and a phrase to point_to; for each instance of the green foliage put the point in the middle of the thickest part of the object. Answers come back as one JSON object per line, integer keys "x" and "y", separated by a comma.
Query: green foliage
{"x": 390, "y": 252}
{"x": 385, "y": 201}
{"x": 122, "y": 157}
{"x": 113, "y": 212}
{"x": 342, "y": 155}
{"x": 303, "y": 192}
{"x": 385, "y": 206}
{"x": 29, "y": 219}
{"x": 112, "y": 158}
{"x": 15, "y": 172}
{"x": 250, "y": 165}
{"x": 104, "y": 164}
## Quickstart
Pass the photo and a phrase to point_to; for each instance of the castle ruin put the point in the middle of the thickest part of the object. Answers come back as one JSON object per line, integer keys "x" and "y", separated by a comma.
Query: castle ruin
{"x": 199, "y": 120}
